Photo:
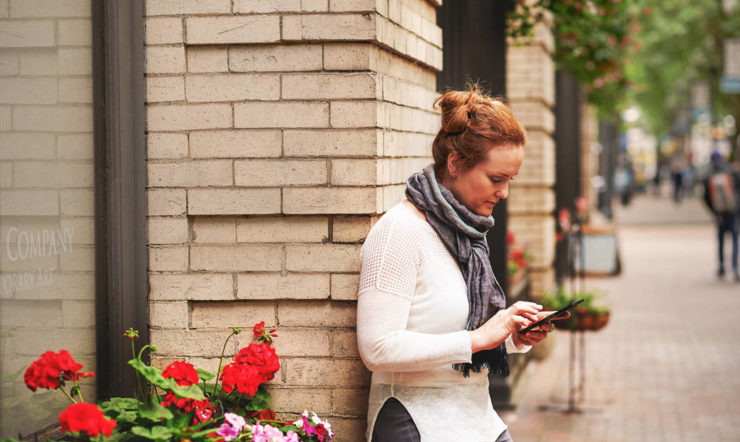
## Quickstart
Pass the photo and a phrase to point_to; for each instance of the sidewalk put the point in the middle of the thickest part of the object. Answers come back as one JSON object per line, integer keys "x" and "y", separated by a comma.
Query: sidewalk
{"x": 667, "y": 367}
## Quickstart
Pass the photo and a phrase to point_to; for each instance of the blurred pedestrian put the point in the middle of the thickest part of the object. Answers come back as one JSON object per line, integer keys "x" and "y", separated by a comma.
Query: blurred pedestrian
{"x": 721, "y": 193}
{"x": 677, "y": 178}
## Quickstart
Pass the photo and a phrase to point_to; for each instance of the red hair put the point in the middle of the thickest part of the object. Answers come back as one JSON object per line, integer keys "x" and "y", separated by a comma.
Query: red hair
{"x": 472, "y": 123}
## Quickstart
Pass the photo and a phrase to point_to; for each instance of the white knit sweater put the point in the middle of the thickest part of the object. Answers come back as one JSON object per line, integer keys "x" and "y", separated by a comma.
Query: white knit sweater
{"x": 411, "y": 317}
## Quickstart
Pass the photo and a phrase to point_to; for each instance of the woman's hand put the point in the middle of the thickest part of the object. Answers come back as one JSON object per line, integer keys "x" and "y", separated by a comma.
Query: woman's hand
{"x": 537, "y": 334}
{"x": 502, "y": 324}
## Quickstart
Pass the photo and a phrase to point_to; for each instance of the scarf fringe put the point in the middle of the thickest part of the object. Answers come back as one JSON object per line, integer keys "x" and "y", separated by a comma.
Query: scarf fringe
{"x": 483, "y": 359}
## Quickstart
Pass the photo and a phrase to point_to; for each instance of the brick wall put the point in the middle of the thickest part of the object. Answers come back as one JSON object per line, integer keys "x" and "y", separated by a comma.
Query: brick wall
{"x": 531, "y": 93}
{"x": 277, "y": 133}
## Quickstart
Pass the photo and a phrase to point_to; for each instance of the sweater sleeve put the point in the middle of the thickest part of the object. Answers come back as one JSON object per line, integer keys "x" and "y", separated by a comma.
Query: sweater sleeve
{"x": 386, "y": 345}
{"x": 390, "y": 260}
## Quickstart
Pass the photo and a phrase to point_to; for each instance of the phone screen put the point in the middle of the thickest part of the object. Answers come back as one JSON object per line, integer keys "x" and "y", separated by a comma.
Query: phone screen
{"x": 554, "y": 315}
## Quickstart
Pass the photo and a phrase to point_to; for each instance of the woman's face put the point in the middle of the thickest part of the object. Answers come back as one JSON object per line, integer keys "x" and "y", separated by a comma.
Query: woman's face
{"x": 485, "y": 184}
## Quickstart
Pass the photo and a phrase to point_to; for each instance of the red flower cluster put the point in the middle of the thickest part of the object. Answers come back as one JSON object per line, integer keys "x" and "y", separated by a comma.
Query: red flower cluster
{"x": 185, "y": 374}
{"x": 253, "y": 365}
{"x": 52, "y": 369}
{"x": 182, "y": 372}
{"x": 263, "y": 335}
{"x": 86, "y": 418}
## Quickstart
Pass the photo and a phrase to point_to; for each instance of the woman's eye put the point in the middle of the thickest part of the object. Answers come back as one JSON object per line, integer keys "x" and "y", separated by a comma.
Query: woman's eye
{"x": 496, "y": 180}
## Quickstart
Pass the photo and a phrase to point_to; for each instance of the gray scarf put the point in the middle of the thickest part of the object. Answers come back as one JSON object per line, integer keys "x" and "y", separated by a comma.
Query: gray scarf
{"x": 464, "y": 234}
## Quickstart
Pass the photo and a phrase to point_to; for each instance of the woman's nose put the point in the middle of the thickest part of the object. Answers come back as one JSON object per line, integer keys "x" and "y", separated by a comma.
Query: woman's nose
{"x": 504, "y": 192}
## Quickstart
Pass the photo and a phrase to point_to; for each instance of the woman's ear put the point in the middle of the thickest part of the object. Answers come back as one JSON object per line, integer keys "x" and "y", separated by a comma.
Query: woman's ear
{"x": 453, "y": 164}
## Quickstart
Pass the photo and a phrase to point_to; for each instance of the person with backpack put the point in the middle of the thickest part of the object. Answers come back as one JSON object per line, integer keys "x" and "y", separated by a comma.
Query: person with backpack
{"x": 721, "y": 193}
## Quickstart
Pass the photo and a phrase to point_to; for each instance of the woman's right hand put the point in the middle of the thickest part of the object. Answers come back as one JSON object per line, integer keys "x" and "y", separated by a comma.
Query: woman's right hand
{"x": 505, "y": 322}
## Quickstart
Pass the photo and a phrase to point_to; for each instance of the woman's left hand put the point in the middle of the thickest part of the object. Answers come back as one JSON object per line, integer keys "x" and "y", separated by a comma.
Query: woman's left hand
{"x": 536, "y": 335}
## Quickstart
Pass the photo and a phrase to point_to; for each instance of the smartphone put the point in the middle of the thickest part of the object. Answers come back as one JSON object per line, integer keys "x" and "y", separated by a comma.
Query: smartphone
{"x": 554, "y": 315}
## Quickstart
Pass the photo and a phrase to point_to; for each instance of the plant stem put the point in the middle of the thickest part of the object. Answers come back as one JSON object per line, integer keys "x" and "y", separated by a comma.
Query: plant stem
{"x": 79, "y": 392}
{"x": 220, "y": 362}
{"x": 139, "y": 388}
{"x": 68, "y": 396}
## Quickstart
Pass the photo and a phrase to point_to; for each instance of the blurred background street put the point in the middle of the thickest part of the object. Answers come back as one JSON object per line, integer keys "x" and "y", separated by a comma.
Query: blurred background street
{"x": 666, "y": 368}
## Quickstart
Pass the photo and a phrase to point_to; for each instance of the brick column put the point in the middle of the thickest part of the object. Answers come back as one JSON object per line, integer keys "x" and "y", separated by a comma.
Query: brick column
{"x": 278, "y": 132}
{"x": 531, "y": 93}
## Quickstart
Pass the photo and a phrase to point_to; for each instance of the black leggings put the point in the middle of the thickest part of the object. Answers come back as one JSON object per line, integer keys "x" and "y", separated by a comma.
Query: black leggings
{"x": 394, "y": 424}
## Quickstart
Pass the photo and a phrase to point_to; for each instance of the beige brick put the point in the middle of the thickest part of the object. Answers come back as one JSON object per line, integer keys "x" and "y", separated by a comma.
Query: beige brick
{"x": 276, "y": 286}
{"x": 80, "y": 259}
{"x": 349, "y": 402}
{"x": 189, "y": 7}
{"x": 191, "y": 286}
{"x": 351, "y": 228}
{"x": 355, "y": 114}
{"x": 190, "y": 173}
{"x": 351, "y": 428}
{"x": 397, "y": 170}
{"x": 302, "y": 342}
{"x": 27, "y": 34}
{"x": 283, "y": 114}
{"x": 282, "y": 229}
{"x": 6, "y": 118}
{"x": 232, "y": 87}
{"x": 314, "y": 5}
{"x": 28, "y": 90}
{"x": 316, "y": 313}
{"x": 278, "y": 58}
{"x": 225, "y": 315}
{"x": 202, "y": 59}
{"x": 239, "y": 29}
{"x": 295, "y": 400}
{"x": 236, "y": 144}
{"x": 243, "y": 258}
{"x": 323, "y": 258}
{"x": 39, "y": 62}
{"x": 344, "y": 344}
{"x": 9, "y": 64}
{"x": 329, "y": 86}
{"x": 349, "y": 56}
{"x": 274, "y": 173}
{"x": 403, "y": 144}
{"x": 233, "y": 201}
{"x": 168, "y": 259}
{"x": 344, "y": 287}
{"x": 166, "y": 202}
{"x": 27, "y": 146}
{"x": 310, "y": 143}
{"x": 188, "y": 117}
{"x": 354, "y": 172}
{"x": 163, "y": 30}
{"x": 75, "y": 90}
{"x": 167, "y": 145}
{"x": 77, "y": 202}
{"x": 165, "y": 59}
{"x": 214, "y": 230}
{"x": 6, "y": 174}
{"x": 407, "y": 119}
{"x": 530, "y": 200}
{"x": 329, "y": 27}
{"x": 55, "y": 9}
{"x": 53, "y": 119}
{"x": 329, "y": 200}
{"x": 534, "y": 115}
{"x": 162, "y": 363}
{"x": 78, "y": 314}
{"x": 52, "y": 174}
{"x": 75, "y": 32}
{"x": 354, "y": 5}
{"x": 22, "y": 313}
{"x": 75, "y": 61}
{"x": 389, "y": 196}
{"x": 168, "y": 314}
{"x": 263, "y": 7}
{"x": 83, "y": 228}
{"x": 167, "y": 230}
{"x": 75, "y": 146}
{"x": 191, "y": 343}
{"x": 4, "y": 8}
{"x": 326, "y": 372}
{"x": 165, "y": 89}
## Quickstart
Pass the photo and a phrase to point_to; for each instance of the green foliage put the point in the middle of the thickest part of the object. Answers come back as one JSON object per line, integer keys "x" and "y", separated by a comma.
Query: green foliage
{"x": 154, "y": 375}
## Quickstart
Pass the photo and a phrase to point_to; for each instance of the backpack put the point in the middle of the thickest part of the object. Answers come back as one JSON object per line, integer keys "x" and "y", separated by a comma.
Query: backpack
{"x": 722, "y": 196}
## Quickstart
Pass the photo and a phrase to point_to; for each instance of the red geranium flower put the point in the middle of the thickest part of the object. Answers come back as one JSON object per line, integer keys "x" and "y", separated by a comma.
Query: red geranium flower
{"x": 183, "y": 373}
{"x": 509, "y": 238}
{"x": 87, "y": 418}
{"x": 244, "y": 377}
{"x": 203, "y": 409}
{"x": 259, "y": 329}
{"x": 52, "y": 369}
{"x": 262, "y": 357}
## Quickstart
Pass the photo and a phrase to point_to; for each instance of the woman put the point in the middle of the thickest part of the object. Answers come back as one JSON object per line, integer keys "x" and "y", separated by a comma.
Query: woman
{"x": 431, "y": 317}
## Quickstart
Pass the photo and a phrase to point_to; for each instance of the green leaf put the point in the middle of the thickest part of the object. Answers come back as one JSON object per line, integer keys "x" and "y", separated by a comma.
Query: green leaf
{"x": 155, "y": 412}
{"x": 154, "y": 375}
{"x": 205, "y": 375}
{"x": 154, "y": 433}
